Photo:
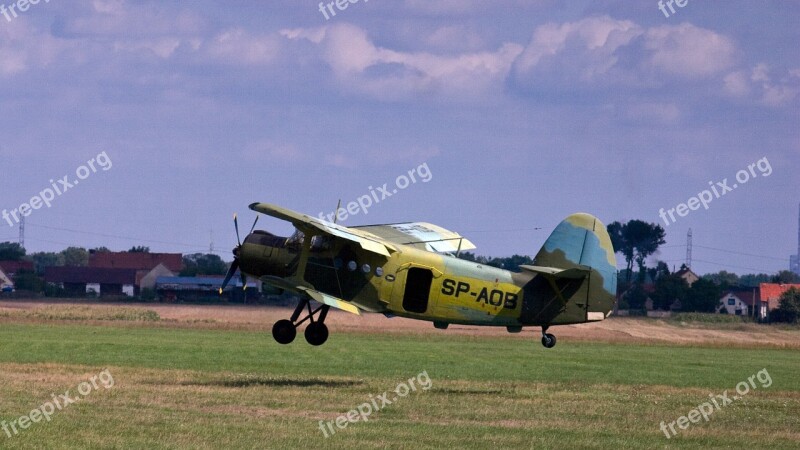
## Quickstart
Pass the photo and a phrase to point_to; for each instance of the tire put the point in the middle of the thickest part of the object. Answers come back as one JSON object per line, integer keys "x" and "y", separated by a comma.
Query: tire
{"x": 284, "y": 331}
{"x": 316, "y": 333}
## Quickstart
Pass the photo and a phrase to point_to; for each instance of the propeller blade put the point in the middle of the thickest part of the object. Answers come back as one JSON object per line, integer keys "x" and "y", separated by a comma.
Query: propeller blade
{"x": 236, "y": 225}
{"x": 244, "y": 281}
{"x": 254, "y": 225}
{"x": 229, "y": 275}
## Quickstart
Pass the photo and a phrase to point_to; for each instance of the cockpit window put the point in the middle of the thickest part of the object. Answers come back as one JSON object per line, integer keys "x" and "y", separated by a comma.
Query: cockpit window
{"x": 320, "y": 243}
{"x": 260, "y": 237}
{"x": 296, "y": 240}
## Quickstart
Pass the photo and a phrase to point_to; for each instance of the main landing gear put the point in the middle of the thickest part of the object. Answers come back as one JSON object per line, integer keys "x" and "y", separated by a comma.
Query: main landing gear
{"x": 284, "y": 331}
{"x": 548, "y": 340}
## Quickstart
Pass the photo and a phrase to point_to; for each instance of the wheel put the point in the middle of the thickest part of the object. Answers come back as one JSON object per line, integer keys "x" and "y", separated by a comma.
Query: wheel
{"x": 549, "y": 340}
{"x": 316, "y": 333}
{"x": 284, "y": 331}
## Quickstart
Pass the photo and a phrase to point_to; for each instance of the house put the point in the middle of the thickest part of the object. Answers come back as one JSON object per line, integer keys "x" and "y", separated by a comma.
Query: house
{"x": 5, "y": 282}
{"x": 202, "y": 288}
{"x": 85, "y": 280}
{"x": 687, "y": 274}
{"x": 147, "y": 279}
{"x": 742, "y": 303}
{"x": 137, "y": 261}
{"x": 771, "y": 295}
{"x": 11, "y": 268}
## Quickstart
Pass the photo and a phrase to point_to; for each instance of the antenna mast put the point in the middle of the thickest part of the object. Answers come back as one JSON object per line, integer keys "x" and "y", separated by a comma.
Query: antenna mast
{"x": 689, "y": 249}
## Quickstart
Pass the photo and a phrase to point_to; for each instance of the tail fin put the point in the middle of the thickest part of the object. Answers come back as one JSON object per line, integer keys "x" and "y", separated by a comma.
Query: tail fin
{"x": 579, "y": 265}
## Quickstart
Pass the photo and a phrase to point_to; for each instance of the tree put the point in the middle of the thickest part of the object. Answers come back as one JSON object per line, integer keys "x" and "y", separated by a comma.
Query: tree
{"x": 753, "y": 280}
{"x": 11, "y": 251}
{"x": 511, "y": 263}
{"x": 139, "y": 249}
{"x": 786, "y": 277}
{"x": 103, "y": 249}
{"x": 75, "y": 257}
{"x": 723, "y": 278}
{"x": 203, "y": 264}
{"x": 788, "y": 310}
{"x": 635, "y": 298}
{"x": 41, "y": 260}
{"x": 668, "y": 289}
{"x": 26, "y": 280}
{"x": 703, "y": 296}
{"x": 660, "y": 270}
{"x": 636, "y": 240}
{"x": 621, "y": 245}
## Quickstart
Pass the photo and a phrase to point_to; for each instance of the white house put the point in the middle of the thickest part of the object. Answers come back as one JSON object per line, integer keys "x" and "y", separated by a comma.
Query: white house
{"x": 5, "y": 281}
{"x": 739, "y": 303}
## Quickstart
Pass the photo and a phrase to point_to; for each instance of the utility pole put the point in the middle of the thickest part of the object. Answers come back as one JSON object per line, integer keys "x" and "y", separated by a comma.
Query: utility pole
{"x": 22, "y": 231}
{"x": 689, "y": 249}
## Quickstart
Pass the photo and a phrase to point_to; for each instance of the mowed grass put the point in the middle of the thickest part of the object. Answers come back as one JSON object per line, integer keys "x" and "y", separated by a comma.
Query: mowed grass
{"x": 193, "y": 388}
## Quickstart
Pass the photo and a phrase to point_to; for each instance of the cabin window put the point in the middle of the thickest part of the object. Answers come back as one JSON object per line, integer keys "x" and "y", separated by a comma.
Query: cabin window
{"x": 295, "y": 241}
{"x": 418, "y": 289}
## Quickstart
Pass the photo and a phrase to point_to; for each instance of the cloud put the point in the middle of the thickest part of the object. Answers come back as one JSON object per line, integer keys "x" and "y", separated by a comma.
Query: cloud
{"x": 601, "y": 52}
{"x": 123, "y": 20}
{"x": 575, "y": 53}
{"x": 468, "y": 7}
{"x": 24, "y": 47}
{"x": 688, "y": 51}
{"x": 362, "y": 67}
{"x": 237, "y": 46}
{"x": 759, "y": 83}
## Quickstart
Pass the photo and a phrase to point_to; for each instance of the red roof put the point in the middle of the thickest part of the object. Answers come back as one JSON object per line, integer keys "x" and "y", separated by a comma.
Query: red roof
{"x": 89, "y": 275}
{"x": 136, "y": 261}
{"x": 771, "y": 292}
{"x": 12, "y": 267}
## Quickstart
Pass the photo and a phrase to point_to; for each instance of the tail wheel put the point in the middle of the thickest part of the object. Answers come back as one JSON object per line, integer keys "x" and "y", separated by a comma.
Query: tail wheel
{"x": 284, "y": 331}
{"x": 316, "y": 333}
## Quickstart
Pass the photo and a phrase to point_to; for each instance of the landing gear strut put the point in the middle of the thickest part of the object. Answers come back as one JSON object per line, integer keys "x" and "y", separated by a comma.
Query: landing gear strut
{"x": 548, "y": 340}
{"x": 284, "y": 331}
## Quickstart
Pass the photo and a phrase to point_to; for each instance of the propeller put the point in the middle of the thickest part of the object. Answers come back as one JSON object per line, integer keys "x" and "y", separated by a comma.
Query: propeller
{"x": 235, "y": 264}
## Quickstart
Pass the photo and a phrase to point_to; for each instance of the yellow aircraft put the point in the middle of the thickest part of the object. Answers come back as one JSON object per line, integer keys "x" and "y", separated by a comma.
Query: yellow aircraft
{"x": 411, "y": 270}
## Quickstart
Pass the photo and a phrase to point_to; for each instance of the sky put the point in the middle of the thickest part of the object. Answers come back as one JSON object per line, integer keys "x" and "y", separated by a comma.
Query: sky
{"x": 493, "y": 119}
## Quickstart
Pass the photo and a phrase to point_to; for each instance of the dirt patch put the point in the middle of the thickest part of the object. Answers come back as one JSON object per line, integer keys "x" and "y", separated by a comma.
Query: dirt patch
{"x": 621, "y": 329}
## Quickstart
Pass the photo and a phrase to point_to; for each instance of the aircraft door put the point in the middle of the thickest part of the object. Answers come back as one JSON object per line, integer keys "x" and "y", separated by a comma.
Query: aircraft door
{"x": 414, "y": 289}
{"x": 417, "y": 290}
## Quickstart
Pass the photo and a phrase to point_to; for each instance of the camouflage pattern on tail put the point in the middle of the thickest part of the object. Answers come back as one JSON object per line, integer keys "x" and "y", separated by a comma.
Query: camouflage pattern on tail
{"x": 576, "y": 275}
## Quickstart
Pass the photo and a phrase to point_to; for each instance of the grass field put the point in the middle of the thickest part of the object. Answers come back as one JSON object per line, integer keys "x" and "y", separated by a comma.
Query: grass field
{"x": 185, "y": 387}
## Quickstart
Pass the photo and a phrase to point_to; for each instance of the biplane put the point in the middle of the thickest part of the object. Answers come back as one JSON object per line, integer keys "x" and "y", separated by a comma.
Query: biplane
{"x": 412, "y": 270}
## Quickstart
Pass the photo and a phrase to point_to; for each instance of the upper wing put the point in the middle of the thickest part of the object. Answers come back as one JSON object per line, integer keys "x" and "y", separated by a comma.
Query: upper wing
{"x": 304, "y": 223}
{"x": 421, "y": 235}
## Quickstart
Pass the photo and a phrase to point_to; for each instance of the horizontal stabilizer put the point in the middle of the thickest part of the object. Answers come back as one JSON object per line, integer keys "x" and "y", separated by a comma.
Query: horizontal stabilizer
{"x": 576, "y": 273}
